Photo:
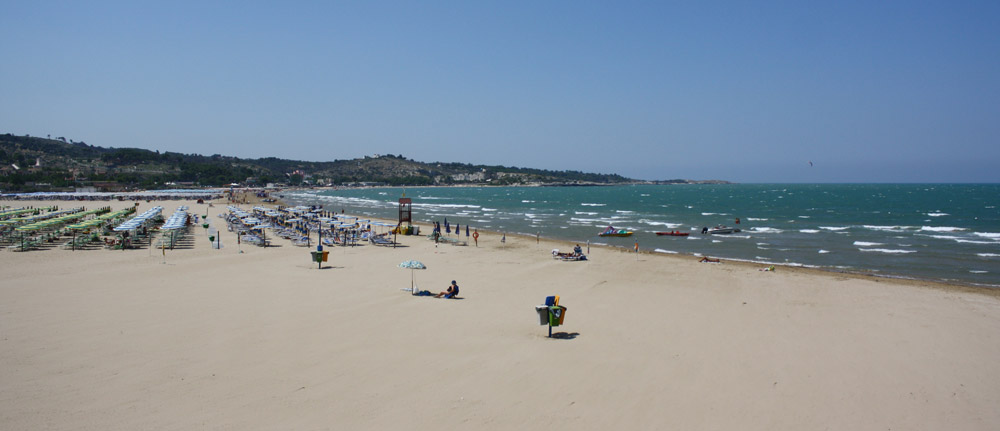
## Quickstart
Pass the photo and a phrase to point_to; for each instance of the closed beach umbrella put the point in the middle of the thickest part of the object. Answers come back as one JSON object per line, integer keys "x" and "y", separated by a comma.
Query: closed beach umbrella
{"x": 412, "y": 265}
{"x": 466, "y": 231}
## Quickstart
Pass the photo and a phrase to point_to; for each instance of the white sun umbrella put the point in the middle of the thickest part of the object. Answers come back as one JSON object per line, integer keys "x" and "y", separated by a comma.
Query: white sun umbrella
{"x": 412, "y": 265}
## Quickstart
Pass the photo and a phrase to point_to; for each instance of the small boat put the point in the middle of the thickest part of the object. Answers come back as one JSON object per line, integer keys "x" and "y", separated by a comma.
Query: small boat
{"x": 673, "y": 233}
{"x": 611, "y": 231}
{"x": 722, "y": 230}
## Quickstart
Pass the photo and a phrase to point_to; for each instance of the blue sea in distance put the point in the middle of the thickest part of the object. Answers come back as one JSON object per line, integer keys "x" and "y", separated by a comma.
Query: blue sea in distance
{"x": 942, "y": 232}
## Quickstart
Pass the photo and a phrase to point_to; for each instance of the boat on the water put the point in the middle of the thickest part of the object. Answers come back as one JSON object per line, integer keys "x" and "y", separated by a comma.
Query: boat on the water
{"x": 721, "y": 230}
{"x": 673, "y": 233}
{"x": 611, "y": 231}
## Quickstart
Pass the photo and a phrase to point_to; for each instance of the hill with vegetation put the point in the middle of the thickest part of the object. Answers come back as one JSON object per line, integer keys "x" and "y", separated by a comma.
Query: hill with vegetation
{"x": 32, "y": 163}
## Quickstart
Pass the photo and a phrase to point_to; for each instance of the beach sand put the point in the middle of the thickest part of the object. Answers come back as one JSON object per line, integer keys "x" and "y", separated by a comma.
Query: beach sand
{"x": 217, "y": 339}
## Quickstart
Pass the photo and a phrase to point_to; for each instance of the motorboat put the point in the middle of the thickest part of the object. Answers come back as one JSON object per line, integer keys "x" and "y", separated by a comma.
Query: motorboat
{"x": 722, "y": 230}
{"x": 611, "y": 231}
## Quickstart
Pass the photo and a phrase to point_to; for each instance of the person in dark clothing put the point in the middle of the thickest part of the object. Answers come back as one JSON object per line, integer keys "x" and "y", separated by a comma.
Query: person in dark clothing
{"x": 451, "y": 292}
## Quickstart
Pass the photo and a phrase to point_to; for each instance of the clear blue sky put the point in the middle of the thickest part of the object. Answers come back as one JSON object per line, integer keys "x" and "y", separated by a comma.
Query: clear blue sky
{"x": 868, "y": 91}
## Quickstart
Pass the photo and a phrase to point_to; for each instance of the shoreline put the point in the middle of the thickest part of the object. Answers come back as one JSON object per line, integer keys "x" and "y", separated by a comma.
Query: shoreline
{"x": 987, "y": 289}
{"x": 252, "y": 200}
{"x": 246, "y": 337}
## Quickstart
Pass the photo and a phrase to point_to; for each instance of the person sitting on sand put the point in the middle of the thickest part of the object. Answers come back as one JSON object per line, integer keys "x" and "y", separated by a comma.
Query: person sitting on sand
{"x": 708, "y": 259}
{"x": 451, "y": 292}
{"x": 577, "y": 250}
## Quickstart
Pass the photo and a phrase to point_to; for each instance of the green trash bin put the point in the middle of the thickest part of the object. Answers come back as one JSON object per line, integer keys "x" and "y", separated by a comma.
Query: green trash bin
{"x": 317, "y": 256}
{"x": 211, "y": 238}
{"x": 556, "y": 315}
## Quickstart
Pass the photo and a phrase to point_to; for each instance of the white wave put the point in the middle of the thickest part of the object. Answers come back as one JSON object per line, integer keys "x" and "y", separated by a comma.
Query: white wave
{"x": 952, "y": 237}
{"x": 809, "y": 230}
{"x": 584, "y": 213}
{"x": 804, "y": 217}
{"x": 594, "y": 205}
{"x": 886, "y": 250}
{"x": 660, "y": 250}
{"x": 990, "y": 235}
{"x": 383, "y": 193}
{"x": 821, "y": 251}
{"x": 987, "y": 255}
{"x": 527, "y": 202}
{"x": 763, "y": 243}
{"x": 765, "y": 229}
{"x": 624, "y": 212}
{"x": 444, "y": 206}
{"x": 886, "y": 228}
{"x": 867, "y": 244}
{"x": 660, "y": 223}
{"x": 937, "y": 214}
{"x": 941, "y": 229}
{"x": 715, "y": 240}
{"x": 757, "y": 219}
{"x": 833, "y": 228}
{"x": 708, "y": 214}
{"x": 644, "y": 194}
{"x": 974, "y": 271}
{"x": 969, "y": 241}
{"x": 489, "y": 209}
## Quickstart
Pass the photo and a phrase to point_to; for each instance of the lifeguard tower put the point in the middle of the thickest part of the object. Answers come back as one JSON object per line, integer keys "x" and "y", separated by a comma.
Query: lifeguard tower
{"x": 405, "y": 215}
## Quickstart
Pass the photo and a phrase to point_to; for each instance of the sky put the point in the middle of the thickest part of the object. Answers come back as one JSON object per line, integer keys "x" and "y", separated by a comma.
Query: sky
{"x": 894, "y": 91}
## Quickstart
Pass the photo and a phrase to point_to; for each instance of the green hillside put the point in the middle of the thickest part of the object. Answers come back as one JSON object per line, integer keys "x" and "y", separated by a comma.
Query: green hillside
{"x": 32, "y": 163}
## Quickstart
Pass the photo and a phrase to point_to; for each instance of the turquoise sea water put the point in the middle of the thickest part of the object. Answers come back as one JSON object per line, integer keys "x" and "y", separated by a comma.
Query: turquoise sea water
{"x": 946, "y": 232}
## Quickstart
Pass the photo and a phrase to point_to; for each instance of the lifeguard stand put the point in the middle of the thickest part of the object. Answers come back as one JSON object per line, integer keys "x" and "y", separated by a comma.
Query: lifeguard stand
{"x": 405, "y": 211}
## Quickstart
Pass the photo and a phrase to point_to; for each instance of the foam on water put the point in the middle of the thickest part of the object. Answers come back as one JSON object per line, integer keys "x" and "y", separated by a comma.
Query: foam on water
{"x": 809, "y": 230}
{"x": 867, "y": 244}
{"x": 941, "y": 229}
{"x": 834, "y": 228}
{"x": 660, "y": 223}
{"x": 765, "y": 229}
{"x": 887, "y": 251}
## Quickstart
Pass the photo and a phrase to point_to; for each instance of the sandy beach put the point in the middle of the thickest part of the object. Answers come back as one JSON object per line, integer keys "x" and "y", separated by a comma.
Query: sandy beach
{"x": 245, "y": 337}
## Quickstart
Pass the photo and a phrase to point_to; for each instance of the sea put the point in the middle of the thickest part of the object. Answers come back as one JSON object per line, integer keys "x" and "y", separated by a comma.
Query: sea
{"x": 937, "y": 232}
